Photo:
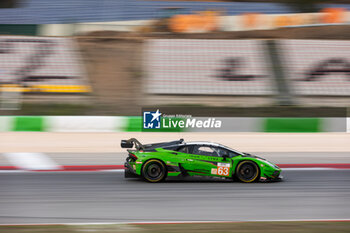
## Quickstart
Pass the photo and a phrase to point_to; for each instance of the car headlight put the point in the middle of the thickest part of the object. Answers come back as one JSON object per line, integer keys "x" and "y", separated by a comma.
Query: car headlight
{"x": 269, "y": 163}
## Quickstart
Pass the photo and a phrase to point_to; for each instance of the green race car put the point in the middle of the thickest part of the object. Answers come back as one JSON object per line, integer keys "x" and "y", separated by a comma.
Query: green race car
{"x": 154, "y": 162}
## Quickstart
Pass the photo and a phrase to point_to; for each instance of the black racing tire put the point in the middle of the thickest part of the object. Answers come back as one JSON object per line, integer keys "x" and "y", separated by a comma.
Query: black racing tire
{"x": 247, "y": 172}
{"x": 154, "y": 171}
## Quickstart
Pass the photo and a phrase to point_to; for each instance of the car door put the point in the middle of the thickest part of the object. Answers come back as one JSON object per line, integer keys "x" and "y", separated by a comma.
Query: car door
{"x": 225, "y": 166}
{"x": 188, "y": 160}
{"x": 205, "y": 160}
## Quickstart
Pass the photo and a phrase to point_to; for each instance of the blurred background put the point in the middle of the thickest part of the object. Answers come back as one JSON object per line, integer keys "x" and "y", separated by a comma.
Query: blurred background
{"x": 75, "y": 76}
{"x": 113, "y": 57}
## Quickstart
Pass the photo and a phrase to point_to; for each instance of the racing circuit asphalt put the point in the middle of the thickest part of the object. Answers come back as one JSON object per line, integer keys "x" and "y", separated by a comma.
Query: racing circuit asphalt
{"x": 79, "y": 197}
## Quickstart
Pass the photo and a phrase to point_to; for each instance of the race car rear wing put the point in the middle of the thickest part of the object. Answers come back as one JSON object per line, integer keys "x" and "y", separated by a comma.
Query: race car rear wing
{"x": 130, "y": 143}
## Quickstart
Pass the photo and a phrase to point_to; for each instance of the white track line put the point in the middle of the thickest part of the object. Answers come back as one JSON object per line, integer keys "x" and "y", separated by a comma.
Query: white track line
{"x": 122, "y": 170}
{"x": 310, "y": 169}
{"x": 181, "y": 222}
{"x": 63, "y": 171}
{"x": 13, "y": 171}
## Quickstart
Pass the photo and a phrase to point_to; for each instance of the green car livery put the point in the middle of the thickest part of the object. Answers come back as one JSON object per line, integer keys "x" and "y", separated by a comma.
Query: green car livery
{"x": 154, "y": 162}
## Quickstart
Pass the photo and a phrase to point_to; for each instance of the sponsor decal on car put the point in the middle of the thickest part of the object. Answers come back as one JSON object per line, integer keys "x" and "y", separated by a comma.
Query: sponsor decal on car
{"x": 224, "y": 165}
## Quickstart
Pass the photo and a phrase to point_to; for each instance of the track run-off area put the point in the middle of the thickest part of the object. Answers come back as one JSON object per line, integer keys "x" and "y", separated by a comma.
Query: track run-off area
{"x": 85, "y": 197}
{"x": 26, "y": 197}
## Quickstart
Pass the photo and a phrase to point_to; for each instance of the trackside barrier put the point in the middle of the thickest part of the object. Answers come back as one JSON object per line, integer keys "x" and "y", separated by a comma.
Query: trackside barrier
{"x": 41, "y": 64}
{"x": 283, "y": 69}
{"x": 134, "y": 124}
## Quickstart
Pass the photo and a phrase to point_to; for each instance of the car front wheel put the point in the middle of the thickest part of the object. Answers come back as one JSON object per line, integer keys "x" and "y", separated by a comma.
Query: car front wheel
{"x": 247, "y": 172}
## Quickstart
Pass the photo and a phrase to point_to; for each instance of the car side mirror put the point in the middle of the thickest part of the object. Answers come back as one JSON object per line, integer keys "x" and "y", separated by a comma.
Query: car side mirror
{"x": 225, "y": 156}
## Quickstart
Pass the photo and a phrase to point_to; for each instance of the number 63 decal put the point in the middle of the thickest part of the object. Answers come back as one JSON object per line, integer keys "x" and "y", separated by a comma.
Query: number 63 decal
{"x": 223, "y": 169}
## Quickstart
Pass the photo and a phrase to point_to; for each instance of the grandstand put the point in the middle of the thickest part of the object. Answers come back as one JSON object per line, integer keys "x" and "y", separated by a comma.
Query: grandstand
{"x": 77, "y": 11}
{"x": 117, "y": 73}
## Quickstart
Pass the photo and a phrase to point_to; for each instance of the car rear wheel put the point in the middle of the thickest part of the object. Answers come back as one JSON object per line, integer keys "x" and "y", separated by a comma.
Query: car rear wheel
{"x": 247, "y": 172}
{"x": 154, "y": 171}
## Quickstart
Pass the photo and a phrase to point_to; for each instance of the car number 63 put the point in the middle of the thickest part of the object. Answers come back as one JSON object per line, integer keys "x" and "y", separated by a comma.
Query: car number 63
{"x": 223, "y": 171}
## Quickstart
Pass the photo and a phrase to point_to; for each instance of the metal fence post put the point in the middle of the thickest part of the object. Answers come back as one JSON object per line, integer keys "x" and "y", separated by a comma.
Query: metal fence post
{"x": 10, "y": 98}
{"x": 284, "y": 96}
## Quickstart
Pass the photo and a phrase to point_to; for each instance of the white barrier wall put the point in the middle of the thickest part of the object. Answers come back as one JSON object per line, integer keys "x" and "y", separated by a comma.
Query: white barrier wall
{"x": 85, "y": 124}
{"x": 134, "y": 124}
{"x": 6, "y": 123}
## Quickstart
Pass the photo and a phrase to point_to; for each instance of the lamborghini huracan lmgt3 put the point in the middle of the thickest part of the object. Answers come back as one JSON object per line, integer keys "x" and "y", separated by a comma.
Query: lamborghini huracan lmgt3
{"x": 154, "y": 162}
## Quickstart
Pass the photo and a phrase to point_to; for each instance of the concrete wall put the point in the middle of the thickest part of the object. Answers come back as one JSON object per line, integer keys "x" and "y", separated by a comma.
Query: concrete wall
{"x": 134, "y": 124}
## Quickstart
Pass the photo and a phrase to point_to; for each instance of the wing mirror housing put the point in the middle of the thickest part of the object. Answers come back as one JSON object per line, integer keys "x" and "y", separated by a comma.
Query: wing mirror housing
{"x": 225, "y": 156}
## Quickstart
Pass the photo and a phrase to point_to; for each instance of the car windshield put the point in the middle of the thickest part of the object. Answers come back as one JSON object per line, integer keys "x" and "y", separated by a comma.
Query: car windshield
{"x": 226, "y": 152}
{"x": 235, "y": 151}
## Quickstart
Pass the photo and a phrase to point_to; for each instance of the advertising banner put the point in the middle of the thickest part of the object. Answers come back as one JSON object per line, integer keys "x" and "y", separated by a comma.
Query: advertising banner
{"x": 207, "y": 67}
{"x": 41, "y": 64}
{"x": 317, "y": 67}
